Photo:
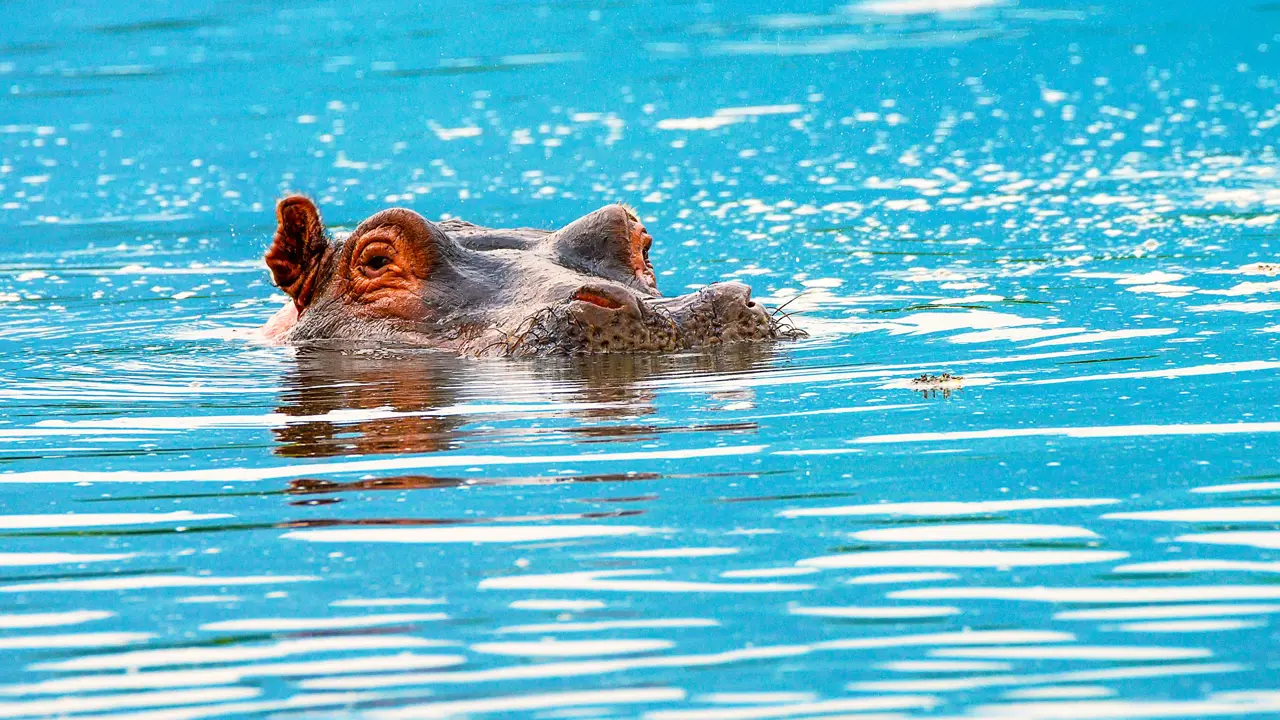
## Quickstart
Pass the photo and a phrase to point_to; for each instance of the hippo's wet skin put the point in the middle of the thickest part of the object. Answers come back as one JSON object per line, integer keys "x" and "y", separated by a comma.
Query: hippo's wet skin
{"x": 586, "y": 288}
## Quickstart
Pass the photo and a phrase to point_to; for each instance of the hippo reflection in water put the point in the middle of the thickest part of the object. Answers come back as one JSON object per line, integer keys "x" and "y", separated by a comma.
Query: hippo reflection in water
{"x": 589, "y": 287}
{"x": 407, "y": 401}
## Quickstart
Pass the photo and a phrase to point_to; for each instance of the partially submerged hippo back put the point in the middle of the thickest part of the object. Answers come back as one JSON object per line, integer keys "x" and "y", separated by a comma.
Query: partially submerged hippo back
{"x": 586, "y": 288}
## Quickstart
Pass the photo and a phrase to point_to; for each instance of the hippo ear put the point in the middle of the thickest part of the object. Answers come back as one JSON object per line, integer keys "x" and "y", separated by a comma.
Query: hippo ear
{"x": 298, "y": 249}
{"x": 611, "y": 243}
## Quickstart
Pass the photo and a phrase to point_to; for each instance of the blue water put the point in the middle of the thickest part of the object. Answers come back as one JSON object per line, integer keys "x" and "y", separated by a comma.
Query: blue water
{"x": 1072, "y": 206}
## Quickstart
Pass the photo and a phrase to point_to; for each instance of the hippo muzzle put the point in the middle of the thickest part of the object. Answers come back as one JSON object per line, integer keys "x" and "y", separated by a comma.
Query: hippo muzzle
{"x": 602, "y": 319}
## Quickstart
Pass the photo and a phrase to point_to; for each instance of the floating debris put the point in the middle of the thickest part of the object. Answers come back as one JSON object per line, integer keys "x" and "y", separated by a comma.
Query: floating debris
{"x": 929, "y": 385}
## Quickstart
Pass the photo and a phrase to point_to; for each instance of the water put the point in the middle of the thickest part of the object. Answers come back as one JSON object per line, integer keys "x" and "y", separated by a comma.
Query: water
{"x": 1072, "y": 206}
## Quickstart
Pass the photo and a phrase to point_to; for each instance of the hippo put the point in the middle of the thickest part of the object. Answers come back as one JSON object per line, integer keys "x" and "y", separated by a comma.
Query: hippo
{"x": 401, "y": 280}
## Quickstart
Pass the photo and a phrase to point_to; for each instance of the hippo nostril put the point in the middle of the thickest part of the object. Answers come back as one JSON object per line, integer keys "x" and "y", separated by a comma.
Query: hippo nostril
{"x": 594, "y": 298}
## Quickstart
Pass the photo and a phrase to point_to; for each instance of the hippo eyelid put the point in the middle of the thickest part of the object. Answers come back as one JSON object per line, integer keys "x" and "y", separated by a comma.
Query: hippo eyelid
{"x": 373, "y": 246}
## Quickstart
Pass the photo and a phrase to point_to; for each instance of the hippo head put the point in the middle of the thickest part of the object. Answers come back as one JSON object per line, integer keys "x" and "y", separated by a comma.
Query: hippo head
{"x": 589, "y": 287}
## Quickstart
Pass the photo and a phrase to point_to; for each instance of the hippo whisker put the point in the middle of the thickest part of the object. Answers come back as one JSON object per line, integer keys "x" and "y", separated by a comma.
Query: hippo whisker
{"x": 794, "y": 298}
{"x": 786, "y": 330}
{"x": 786, "y": 318}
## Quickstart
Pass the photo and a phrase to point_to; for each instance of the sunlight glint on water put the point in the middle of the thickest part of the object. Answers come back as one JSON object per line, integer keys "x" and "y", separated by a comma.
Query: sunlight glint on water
{"x": 1067, "y": 209}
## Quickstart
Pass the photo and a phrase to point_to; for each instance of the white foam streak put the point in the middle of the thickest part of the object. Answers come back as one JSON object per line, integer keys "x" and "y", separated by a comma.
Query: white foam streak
{"x": 557, "y": 670}
{"x": 1265, "y": 539}
{"x": 923, "y": 7}
{"x": 336, "y": 701}
{"x": 481, "y": 534}
{"x": 240, "y": 653}
{"x": 1252, "y": 513}
{"x": 1076, "y": 652}
{"x": 527, "y": 702}
{"x": 74, "y": 640}
{"x": 973, "y": 683}
{"x": 605, "y": 666}
{"x": 799, "y": 709}
{"x": 1244, "y": 306}
{"x": 572, "y": 648}
{"x": 754, "y": 698}
{"x": 150, "y": 582}
{"x": 313, "y": 469}
{"x": 34, "y": 559}
{"x": 1096, "y": 595}
{"x": 903, "y": 577}
{"x": 1238, "y": 487}
{"x": 602, "y": 625}
{"x": 877, "y": 613}
{"x": 557, "y": 605}
{"x": 962, "y": 558}
{"x": 386, "y": 602}
{"x": 68, "y": 705}
{"x": 1106, "y": 431}
{"x": 53, "y": 619}
{"x": 945, "y": 509}
{"x": 757, "y": 573}
{"x": 758, "y": 110}
{"x": 966, "y": 637}
{"x": 100, "y": 682}
{"x": 612, "y": 581}
{"x": 1060, "y": 692}
{"x": 1191, "y": 626}
{"x": 973, "y": 532}
{"x": 945, "y": 666}
{"x": 1194, "y": 566}
{"x": 697, "y": 123}
{"x": 79, "y": 520}
{"x": 1152, "y": 612}
{"x": 329, "y": 623}
{"x": 673, "y": 553}
{"x": 1166, "y": 374}
{"x": 1082, "y": 709}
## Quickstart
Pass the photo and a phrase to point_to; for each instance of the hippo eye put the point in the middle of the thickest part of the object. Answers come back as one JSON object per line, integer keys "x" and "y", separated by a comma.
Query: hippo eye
{"x": 373, "y": 258}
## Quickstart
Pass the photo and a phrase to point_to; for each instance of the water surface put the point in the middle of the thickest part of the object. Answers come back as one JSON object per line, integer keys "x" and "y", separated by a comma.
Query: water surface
{"x": 1072, "y": 206}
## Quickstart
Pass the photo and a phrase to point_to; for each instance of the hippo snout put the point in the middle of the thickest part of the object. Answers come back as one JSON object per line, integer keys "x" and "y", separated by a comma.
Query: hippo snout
{"x": 606, "y": 318}
{"x": 720, "y": 313}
